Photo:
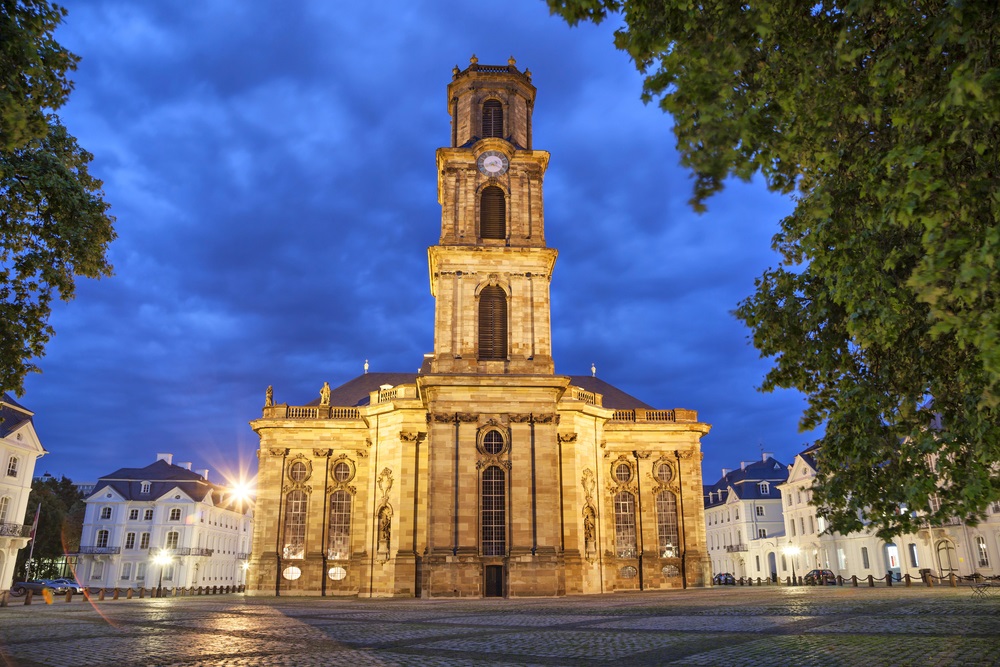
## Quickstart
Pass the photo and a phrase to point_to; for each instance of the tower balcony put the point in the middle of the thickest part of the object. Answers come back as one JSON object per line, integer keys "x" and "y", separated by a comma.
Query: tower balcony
{"x": 284, "y": 411}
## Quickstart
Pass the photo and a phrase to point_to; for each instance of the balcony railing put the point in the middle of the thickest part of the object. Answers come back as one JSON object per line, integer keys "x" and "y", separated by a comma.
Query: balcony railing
{"x": 736, "y": 547}
{"x": 242, "y": 556}
{"x": 187, "y": 551}
{"x": 99, "y": 550}
{"x": 588, "y": 397}
{"x": 310, "y": 412}
{"x": 14, "y": 530}
{"x": 655, "y": 416}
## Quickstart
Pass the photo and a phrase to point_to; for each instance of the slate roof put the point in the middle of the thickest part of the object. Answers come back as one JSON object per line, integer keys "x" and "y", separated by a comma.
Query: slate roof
{"x": 163, "y": 477}
{"x": 744, "y": 482}
{"x": 356, "y": 392}
{"x": 13, "y": 415}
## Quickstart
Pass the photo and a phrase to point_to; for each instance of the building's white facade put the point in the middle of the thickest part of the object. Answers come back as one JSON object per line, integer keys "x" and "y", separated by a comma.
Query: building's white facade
{"x": 957, "y": 548}
{"x": 134, "y": 514}
{"x": 19, "y": 449}
{"x": 744, "y": 506}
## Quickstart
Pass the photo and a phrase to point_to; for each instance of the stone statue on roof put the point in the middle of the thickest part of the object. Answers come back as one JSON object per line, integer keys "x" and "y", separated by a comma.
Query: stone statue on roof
{"x": 324, "y": 394}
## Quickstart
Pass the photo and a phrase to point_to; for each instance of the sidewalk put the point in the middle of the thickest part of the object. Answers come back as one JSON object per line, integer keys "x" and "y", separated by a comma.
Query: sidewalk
{"x": 720, "y": 626}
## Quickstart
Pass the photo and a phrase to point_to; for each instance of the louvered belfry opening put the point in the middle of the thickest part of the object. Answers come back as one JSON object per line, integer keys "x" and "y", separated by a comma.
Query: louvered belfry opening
{"x": 493, "y": 214}
{"x": 492, "y": 323}
{"x": 492, "y": 119}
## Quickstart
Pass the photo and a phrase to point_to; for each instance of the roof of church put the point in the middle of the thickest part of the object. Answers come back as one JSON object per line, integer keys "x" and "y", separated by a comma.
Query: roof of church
{"x": 356, "y": 392}
{"x": 12, "y": 415}
{"x": 162, "y": 476}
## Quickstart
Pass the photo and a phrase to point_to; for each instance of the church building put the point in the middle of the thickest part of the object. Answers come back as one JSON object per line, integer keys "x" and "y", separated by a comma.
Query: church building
{"x": 486, "y": 473}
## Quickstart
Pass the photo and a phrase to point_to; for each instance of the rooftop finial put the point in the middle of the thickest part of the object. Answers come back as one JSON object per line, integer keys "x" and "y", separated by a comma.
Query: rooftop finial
{"x": 511, "y": 61}
{"x": 593, "y": 371}
{"x": 473, "y": 60}
{"x": 366, "y": 367}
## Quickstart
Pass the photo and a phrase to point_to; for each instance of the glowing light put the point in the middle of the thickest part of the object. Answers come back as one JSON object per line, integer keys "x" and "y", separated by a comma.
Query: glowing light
{"x": 163, "y": 557}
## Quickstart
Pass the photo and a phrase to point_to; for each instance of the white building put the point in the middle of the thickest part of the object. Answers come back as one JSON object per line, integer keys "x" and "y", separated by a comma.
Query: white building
{"x": 135, "y": 514}
{"x": 956, "y": 548}
{"x": 742, "y": 507}
{"x": 19, "y": 449}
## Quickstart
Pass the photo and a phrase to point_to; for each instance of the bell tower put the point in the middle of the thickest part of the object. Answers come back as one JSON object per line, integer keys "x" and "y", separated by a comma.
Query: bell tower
{"x": 491, "y": 270}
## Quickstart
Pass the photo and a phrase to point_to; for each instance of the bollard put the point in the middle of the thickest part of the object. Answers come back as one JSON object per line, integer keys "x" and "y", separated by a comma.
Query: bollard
{"x": 69, "y": 595}
{"x": 3, "y": 598}
{"x": 27, "y": 597}
{"x": 906, "y": 579}
{"x": 952, "y": 580}
{"x": 115, "y": 596}
{"x": 142, "y": 592}
{"x": 871, "y": 581}
{"x": 128, "y": 594}
{"x": 100, "y": 595}
{"x": 888, "y": 578}
{"x": 927, "y": 579}
{"x": 854, "y": 580}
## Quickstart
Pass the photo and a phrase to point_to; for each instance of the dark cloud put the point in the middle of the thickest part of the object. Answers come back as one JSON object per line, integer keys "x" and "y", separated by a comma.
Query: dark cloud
{"x": 272, "y": 169}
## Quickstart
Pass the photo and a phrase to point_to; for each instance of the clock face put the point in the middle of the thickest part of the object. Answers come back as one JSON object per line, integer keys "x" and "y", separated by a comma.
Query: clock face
{"x": 493, "y": 163}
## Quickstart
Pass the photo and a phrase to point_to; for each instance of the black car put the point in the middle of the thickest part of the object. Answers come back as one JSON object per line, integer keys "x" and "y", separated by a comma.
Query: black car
{"x": 820, "y": 577}
{"x": 36, "y": 586}
{"x": 724, "y": 579}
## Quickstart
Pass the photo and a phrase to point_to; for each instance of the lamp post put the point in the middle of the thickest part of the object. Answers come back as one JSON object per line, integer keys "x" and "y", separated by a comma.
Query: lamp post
{"x": 792, "y": 551}
{"x": 163, "y": 558}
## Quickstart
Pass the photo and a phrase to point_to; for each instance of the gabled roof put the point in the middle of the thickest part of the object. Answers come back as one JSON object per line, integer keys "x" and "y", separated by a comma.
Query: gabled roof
{"x": 13, "y": 415}
{"x": 356, "y": 392}
{"x": 163, "y": 478}
{"x": 744, "y": 482}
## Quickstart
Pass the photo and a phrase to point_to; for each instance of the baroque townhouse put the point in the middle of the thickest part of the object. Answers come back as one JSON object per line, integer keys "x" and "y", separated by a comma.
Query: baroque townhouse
{"x": 957, "y": 548}
{"x": 19, "y": 448}
{"x": 136, "y": 514}
{"x": 743, "y": 507}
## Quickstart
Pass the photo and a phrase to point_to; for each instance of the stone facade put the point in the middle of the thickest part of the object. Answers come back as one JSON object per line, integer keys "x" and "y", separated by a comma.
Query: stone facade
{"x": 19, "y": 450}
{"x": 486, "y": 473}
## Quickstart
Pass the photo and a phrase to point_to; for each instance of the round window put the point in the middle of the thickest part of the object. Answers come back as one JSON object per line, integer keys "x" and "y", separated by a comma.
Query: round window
{"x": 628, "y": 572}
{"x": 664, "y": 473}
{"x": 493, "y": 442}
{"x": 291, "y": 573}
{"x": 623, "y": 472}
{"x": 337, "y": 573}
{"x": 341, "y": 472}
{"x": 298, "y": 471}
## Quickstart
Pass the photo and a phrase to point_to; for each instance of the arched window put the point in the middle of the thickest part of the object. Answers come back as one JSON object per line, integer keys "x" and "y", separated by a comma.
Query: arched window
{"x": 492, "y": 119}
{"x": 494, "y": 512}
{"x": 295, "y": 525}
{"x": 4, "y": 509}
{"x": 492, "y": 213}
{"x": 666, "y": 524}
{"x": 625, "y": 543}
{"x": 492, "y": 323}
{"x": 981, "y": 553}
{"x": 175, "y": 514}
{"x": 339, "y": 547}
{"x": 172, "y": 539}
{"x": 105, "y": 513}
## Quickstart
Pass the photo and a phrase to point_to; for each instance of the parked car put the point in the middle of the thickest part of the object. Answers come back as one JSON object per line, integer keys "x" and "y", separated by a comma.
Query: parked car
{"x": 68, "y": 584}
{"x": 36, "y": 586}
{"x": 724, "y": 579}
{"x": 820, "y": 577}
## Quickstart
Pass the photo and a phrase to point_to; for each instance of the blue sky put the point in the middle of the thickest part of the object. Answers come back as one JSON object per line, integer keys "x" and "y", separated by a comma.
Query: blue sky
{"x": 271, "y": 167}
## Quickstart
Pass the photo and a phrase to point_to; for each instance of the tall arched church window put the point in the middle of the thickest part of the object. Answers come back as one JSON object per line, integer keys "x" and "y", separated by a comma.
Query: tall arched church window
{"x": 666, "y": 524}
{"x": 625, "y": 539}
{"x": 492, "y": 119}
{"x": 492, "y": 213}
{"x": 339, "y": 547}
{"x": 295, "y": 525}
{"x": 492, "y": 323}
{"x": 494, "y": 512}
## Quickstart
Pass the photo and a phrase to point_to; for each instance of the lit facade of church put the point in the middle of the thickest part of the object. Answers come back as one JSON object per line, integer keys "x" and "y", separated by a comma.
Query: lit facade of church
{"x": 486, "y": 473}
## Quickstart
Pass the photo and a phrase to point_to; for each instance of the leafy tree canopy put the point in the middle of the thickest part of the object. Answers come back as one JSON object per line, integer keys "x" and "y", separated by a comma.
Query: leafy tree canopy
{"x": 60, "y": 524}
{"x": 881, "y": 119}
{"x": 54, "y": 224}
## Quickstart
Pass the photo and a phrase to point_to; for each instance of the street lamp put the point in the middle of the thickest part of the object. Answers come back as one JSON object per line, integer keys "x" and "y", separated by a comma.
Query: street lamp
{"x": 792, "y": 552}
{"x": 163, "y": 558}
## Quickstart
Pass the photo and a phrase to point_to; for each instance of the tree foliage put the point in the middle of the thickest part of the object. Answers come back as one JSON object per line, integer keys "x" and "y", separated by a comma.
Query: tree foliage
{"x": 60, "y": 524}
{"x": 881, "y": 119}
{"x": 54, "y": 224}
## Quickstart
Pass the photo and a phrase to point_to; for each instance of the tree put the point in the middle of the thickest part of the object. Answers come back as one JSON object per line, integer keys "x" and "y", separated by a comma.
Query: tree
{"x": 54, "y": 224}
{"x": 881, "y": 119}
{"x": 59, "y": 526}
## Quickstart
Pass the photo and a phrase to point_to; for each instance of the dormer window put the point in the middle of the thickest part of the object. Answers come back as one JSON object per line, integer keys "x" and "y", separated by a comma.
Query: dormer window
{"x": 765, "y": 488}
{"x": 105, "y": 513}
{"x": 144, "y": 488}
{"x": 492, "y": 119}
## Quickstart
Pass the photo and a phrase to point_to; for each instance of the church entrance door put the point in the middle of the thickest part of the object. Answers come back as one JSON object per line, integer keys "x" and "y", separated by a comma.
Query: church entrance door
{"x": 494, "y": 581}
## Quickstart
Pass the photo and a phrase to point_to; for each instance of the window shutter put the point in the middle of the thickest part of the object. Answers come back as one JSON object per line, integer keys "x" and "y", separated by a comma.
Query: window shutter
{"x": 493, "y": 214}
{"x": 492, "y": 119}
{"x": 492, "y": 323}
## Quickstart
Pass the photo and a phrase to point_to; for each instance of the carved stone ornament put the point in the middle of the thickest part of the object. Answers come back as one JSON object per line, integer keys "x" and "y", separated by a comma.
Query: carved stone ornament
{"x": 589, "y": 532}
{"x": 408, "y": 436}
{"x": 467, "y": 417}
{"x": 385, "y": 483}
{"x": 441, "y": 417}
{"x": 277, "y": 451}
{"x": 567, "y": 437}
{"x": 296, "y": 487}
{"x": 486, "y": 462}
{"x": 547, "y": 419}
{"x": 322, "y": 453}
{"x": 368, "y": 443}
{"x": 361, "y": 453}
{"x": 589, "y": 484}
{"x": 520, "y": 419}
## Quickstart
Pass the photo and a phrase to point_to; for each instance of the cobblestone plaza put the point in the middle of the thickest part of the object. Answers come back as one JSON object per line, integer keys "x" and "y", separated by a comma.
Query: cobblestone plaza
{"x": 720, "y": 626}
